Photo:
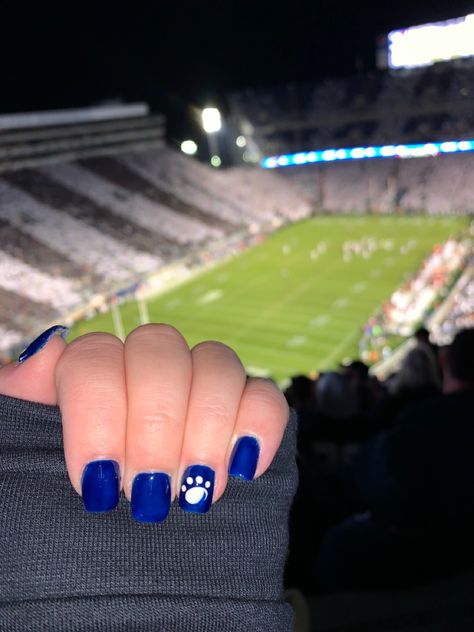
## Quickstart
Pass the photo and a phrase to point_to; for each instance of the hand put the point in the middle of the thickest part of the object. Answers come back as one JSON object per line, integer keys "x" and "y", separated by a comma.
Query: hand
{"x": 152, "y": 417}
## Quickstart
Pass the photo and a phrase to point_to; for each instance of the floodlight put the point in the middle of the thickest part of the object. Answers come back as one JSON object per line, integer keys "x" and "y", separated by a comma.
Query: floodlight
{"x": 211, "y": 120}
{"x": 189, "y": 147}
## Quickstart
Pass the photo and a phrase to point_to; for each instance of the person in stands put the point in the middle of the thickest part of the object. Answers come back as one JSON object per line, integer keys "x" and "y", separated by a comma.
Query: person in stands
{"x": 415, "y": 483}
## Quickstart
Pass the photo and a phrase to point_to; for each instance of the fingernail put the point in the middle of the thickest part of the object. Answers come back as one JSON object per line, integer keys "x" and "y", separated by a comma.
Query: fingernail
{"x": 100, "y": 485}
{"x": 151, "y": 496}
{"x": 244, "y": 458}
{"x": 197, "y": 488}
{"x": 42, "y": 341}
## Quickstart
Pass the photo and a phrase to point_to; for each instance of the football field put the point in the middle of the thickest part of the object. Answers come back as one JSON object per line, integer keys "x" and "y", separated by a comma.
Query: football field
{"x": 296, "y": 303}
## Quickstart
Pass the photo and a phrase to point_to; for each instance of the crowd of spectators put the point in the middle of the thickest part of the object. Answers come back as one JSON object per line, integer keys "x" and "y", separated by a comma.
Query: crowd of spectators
{"x": 75, "y": 239}
{"x": 374, "y": 108}
{"x": 161, "y": 221}
{"x": 386, "y": 472}
{"x": 461, "y": 310}
{"x": 410, "y": 304}
{"x": 438, "y": 185}
{"x": 241, "y": 196}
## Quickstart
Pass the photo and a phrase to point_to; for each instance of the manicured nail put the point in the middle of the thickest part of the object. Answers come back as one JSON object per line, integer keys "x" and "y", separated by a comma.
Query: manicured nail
{"x": 42, "y": 341}
{"x": 151, "y": 496}
{"x": 197, "y": 488}
{"x": 244, "y": 458}
{"x": 101, "y": 485}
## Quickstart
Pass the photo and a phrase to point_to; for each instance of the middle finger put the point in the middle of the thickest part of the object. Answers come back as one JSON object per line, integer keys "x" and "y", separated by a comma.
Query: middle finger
{"x": 158, "y": 374}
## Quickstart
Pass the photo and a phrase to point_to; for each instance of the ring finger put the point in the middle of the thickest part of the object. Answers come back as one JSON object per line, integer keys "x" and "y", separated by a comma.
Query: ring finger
{"x": 217, "y": 386}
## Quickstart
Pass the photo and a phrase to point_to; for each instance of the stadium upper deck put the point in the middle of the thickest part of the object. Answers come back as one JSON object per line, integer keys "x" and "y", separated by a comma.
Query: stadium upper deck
{"x": 34, "y": 139}
{"x": 377, "y": 108}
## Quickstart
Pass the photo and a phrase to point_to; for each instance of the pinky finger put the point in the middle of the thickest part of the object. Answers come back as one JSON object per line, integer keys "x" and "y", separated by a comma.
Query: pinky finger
{"x": 261, "y": 421}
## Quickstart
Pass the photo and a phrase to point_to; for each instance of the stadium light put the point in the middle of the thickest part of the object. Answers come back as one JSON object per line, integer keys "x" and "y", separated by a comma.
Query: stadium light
{"x": 189, "y": 147}
{"x": 211, "y": 120}
{"x": 211, "y": 123}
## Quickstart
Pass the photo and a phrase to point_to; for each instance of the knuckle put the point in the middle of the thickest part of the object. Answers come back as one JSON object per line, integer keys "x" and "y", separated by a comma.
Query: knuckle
{"x": 265, "y": 393}
{"x": 93, "y": 342}
{"x": 215, "y": 348}
{"x": 154, "y": 329}
{"x": 212, "y": 413}
{"x": 91, "y": 349}
{"x": 156, "y": 422}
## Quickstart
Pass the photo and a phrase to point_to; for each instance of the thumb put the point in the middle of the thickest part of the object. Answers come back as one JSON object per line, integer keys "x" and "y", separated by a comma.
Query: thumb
{"x": 33, "y": 376}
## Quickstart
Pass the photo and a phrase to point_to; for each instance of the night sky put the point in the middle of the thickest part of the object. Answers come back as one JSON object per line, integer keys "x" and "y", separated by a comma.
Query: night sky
{"x": 177, "y": 54}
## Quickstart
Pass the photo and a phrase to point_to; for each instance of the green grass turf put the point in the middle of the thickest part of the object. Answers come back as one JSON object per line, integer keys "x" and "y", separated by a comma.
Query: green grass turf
{"x": 283, "y": 312}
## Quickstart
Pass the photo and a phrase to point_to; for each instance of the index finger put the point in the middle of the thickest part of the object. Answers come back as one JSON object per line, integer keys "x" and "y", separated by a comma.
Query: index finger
{"x": 90, "y": 378}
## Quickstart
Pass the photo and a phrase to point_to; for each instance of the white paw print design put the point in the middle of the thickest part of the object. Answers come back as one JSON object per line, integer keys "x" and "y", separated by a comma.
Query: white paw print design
{"x": 195, "y": 490}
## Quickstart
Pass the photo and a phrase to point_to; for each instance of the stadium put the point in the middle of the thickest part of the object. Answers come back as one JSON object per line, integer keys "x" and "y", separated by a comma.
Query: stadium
{"x": 329, "y": 226}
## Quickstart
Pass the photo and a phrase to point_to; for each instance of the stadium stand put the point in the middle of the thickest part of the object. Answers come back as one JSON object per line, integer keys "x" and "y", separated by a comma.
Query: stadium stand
{"x": 166, "y": 226}
{"x": 423, "y": 105}
{"x": 433, "y": 185}
{"x": 458, "y": 311}
{"x": 31, "y": 139}
{"x": 89, "y": 207}
{"x": 69, "y": 235}
{"x": 167, "y": 193}
{"x": 66, "y": 200}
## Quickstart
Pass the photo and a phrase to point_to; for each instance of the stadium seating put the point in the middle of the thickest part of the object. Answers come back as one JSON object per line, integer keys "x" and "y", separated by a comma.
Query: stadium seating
{"x": 374, "y": 108}
{"x": 459, "y": 312}
{"x": 68, "y": 234}
{"x": 433, "y": 185}
{"x": 164, "y": 225}
{"x": 71, "y": 230}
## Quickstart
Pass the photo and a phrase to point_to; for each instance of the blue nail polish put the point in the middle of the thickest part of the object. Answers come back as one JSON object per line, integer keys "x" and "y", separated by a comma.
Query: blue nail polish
{"x": 244, "y": 458}
{"x": 151, "y": 496}
{"x": 42, "y": 341}
{"x": 100, "y": 485}
{"x": 197, "y": 488}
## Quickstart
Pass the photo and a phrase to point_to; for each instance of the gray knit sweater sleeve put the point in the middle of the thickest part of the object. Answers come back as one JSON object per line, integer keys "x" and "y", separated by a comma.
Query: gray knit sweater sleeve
{"x": 63, "y": 569}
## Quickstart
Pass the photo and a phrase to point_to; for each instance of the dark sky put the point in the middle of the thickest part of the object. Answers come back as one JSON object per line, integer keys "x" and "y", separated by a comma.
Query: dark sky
{"x": 175, "y": 53}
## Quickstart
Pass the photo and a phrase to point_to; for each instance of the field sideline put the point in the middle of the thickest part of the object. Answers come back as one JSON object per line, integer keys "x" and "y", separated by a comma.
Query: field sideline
{"x": 293, "y": 304}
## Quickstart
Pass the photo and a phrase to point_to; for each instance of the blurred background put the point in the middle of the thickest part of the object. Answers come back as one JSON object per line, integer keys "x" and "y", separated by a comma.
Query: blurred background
{"x": 297, "y": 181}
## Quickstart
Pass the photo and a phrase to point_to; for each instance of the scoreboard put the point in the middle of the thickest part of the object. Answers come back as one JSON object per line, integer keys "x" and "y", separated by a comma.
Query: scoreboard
{"x": 430, "y": 43}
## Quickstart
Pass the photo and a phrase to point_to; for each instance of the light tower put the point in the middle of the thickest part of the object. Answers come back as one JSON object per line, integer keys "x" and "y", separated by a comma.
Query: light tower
{"x": 212, "y": 123}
